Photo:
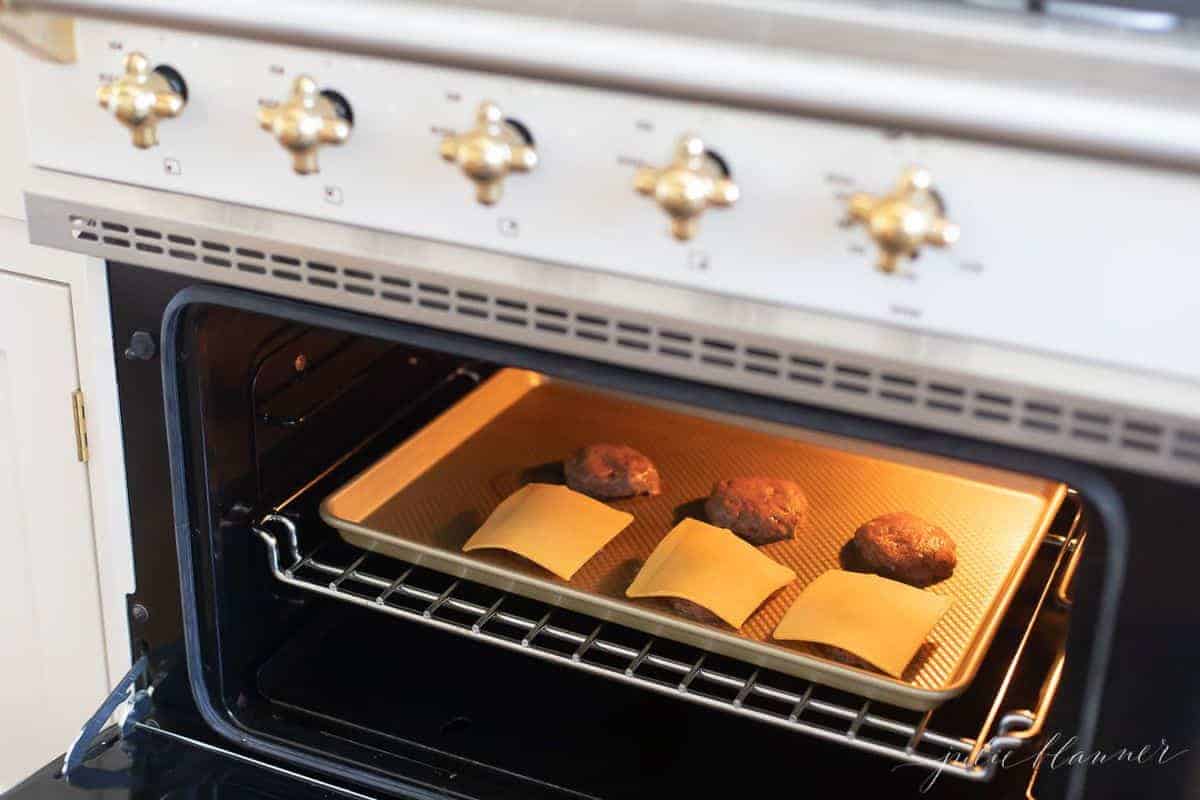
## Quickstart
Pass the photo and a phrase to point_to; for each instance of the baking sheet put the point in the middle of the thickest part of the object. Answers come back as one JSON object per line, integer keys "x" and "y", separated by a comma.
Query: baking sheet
{"x": 424, "y": 499}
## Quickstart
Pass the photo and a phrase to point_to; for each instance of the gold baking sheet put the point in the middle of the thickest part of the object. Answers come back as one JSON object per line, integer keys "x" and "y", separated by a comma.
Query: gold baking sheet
{"x": 424, "y": 499}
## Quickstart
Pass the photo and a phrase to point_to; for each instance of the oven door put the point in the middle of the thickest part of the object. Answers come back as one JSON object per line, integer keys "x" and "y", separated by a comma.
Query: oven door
{"x": 156, "y": 762}
{"x": 146, "y": 740}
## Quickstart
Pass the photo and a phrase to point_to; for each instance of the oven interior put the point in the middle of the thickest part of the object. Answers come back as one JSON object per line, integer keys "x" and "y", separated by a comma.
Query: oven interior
{"x": 380, "y": 666}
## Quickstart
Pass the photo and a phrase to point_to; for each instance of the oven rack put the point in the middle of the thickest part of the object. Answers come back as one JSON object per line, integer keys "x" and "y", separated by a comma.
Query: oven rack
{"x": 835, "y": 716}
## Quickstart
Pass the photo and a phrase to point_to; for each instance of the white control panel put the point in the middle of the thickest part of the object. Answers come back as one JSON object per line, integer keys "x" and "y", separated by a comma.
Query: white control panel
{"x": 1073, "y": 256}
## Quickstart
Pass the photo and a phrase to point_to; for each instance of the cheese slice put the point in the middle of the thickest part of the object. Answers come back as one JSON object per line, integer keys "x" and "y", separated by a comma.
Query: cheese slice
{"x": 883, "y": 622}
{"x": 552, "y": 526}
{"x": 711, "y": 567}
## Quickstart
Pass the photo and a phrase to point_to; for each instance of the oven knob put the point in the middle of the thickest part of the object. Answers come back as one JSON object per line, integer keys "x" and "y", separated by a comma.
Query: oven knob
{"x": 490, "y": 151}
{"x": 307, "y": 120}
{"x": 143, "y": 96}
{"x": 693, "y": 182}
{"x": 904, "y": 221}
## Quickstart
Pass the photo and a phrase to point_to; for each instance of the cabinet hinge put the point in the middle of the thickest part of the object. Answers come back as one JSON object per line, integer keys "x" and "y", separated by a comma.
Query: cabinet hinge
{"x": 80, "y": 414}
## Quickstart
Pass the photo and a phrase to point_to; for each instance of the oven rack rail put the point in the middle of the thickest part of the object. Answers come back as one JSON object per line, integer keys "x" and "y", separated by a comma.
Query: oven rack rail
{"x": 840, "y": 718}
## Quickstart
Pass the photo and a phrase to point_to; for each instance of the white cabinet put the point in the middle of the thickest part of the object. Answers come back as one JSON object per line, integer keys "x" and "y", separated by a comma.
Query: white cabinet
{"x": 65, "y": 554}
{"x": 13, "y": 166}
{"x": 52, "y": 661}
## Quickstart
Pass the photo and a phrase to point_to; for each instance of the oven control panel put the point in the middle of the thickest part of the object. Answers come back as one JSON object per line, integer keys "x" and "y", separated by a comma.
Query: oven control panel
{"x": 1070, "y": 255}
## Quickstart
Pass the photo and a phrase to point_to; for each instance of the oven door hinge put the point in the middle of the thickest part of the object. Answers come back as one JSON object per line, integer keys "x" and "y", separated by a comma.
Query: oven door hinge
{"x": 79, "y": 412}
{"x": 126, "y": 706}
{"x": 126, "y": 712}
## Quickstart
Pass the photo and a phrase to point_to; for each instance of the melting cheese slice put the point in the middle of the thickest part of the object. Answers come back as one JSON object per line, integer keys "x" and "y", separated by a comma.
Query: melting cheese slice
{"x": 881, "y": 621}
{"x": 711, "y": 567}
{"x": 550, "y": 525}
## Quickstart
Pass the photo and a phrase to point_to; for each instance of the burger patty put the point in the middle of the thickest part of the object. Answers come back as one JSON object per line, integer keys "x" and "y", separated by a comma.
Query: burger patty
{"x": 760, "y": 510}
{"x": 694, "y": 611}
{"x": 840, "y": 655}
{"x": 906, "y": 548}
{"x": 608, "y": 471}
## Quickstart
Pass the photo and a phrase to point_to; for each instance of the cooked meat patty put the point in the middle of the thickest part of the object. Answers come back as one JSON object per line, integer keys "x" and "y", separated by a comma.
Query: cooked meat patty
{"x": 607, "y": 471}
{"x": 694, "y": 611}
{"x": 906, "y": 548}
{"x": 760, "y": 510}
{"x": 838, "y": 654}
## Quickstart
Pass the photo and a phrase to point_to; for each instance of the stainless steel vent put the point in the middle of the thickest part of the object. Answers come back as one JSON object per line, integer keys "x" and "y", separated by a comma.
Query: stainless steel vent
{"x": 1006, "y": 412}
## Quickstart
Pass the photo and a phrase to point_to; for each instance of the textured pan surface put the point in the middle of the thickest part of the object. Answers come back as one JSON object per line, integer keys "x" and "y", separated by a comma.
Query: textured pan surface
{"x": 425, "y": 511}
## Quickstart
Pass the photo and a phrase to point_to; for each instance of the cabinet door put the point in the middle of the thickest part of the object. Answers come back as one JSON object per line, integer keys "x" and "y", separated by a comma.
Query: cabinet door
{"x": 52, "y": 670}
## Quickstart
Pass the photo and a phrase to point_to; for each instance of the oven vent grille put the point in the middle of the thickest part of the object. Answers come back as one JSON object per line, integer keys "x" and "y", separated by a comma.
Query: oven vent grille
{"x": 1012, "y": 413}
{"x": 341, "y": 572}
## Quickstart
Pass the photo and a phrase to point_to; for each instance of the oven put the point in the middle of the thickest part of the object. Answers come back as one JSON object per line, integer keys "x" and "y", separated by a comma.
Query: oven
{"x": 303, "y": 647}
{"x": 284, "y": 328}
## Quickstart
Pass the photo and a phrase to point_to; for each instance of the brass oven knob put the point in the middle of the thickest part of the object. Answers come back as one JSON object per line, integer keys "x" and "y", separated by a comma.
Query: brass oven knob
{"x": 904, "y": 221}
{"x": 307, "y": 120}
{"x": 143, "y": 96}
{"x": 490, "y": 151}
{"x": 692, "y": 183}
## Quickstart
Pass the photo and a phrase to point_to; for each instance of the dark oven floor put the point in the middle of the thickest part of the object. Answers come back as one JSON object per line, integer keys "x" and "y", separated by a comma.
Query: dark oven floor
{"x": 418, "y": 693}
